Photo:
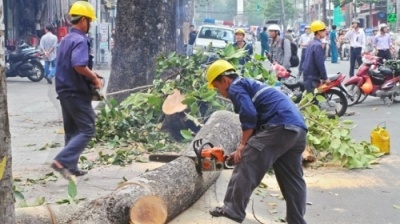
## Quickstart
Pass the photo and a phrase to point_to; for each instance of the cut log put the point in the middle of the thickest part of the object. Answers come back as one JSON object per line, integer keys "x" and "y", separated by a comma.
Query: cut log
{"x": 308, "y": 155}
{"x": 160, "y": 195}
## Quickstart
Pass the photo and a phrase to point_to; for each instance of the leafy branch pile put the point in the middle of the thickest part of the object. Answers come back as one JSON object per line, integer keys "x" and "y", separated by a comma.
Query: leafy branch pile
{"x": 138, "y": 119}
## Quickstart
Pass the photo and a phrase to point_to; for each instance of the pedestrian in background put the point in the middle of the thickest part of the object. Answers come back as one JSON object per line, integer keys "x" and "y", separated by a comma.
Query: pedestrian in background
{"x": 48, "y": 45}
{"x": 74, "y": 79}
{"x": 357, "y": 44}
{"x": 383, "y": 42}
{"x": 304, "y": 40}
{"x": 333, "y": 45}
{"x": 280, "y": 49}
{"x": 264, "y": 39}
{"x": 192, "y": 39}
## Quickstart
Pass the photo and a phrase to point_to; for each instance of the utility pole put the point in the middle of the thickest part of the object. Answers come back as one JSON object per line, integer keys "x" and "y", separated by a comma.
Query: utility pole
{"x": 283, "y": 14}
{"x": 305, "y": 10}
{"x": 324, "y": 16}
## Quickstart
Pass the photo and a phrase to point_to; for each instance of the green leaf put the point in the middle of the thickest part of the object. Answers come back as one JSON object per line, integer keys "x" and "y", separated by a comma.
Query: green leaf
{"x": 72, "y": 189}
{"x": 320, "y": 98}
{"x": 335, "y": 144}
{"x": 186, "y": 134}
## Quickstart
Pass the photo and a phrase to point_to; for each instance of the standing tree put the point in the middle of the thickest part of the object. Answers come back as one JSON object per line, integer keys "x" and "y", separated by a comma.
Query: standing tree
{"x": 7, "y": 214}
{"x": 144, "y": 29}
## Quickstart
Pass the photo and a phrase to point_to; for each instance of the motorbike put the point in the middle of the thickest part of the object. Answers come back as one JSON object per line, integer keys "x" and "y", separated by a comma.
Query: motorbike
{"x": 355, "y": 83}
{"x": 335, "y": 93}
{"x": 376, "y": 79}
{"x": 25, "y": 62}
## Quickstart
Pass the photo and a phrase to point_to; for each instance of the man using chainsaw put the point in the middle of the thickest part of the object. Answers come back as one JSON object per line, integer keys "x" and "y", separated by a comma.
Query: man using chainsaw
{"x": 274, "y": 135}
{"x": 74, "y": 79}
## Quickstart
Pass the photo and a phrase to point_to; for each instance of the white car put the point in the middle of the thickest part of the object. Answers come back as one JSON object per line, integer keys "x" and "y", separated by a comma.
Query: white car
{"x": 218, "y": 36}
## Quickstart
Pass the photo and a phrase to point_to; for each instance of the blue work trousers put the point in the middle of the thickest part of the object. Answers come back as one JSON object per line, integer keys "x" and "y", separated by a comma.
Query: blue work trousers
{"x": 79, "y": 127}
{"x": 280, "y": 147}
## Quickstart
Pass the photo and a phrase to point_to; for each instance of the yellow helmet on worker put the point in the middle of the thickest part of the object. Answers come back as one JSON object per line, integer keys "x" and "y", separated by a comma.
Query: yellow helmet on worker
{"x": 83, "y": 8}
{"x": 240, "y": 31}
{"x": 216, "y": 69}
{"x": 317, "y": 25}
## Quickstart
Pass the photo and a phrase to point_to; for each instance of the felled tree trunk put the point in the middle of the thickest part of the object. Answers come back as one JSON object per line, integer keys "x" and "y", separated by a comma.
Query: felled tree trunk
{"x": 160, "y": 195}
{"x": 144, "y": 29}
{"x": 46, "y": 214}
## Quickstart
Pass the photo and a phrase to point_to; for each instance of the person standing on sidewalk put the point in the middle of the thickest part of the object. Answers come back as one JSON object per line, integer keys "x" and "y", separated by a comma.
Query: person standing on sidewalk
{"x": 274, "y": 135}
{"x": 357, "y": 44}
{"x": 192, "y": 39}
{"x": 73, "y": 86}
{"x": 48, "y": 45}
{"x": 314, "y": 60}
{"x": 304, "y": 40}
{"x": 333, "y": 45}
{"x": 280, "y": 47}
{"x": 382, "y": 43}
{"x": 264, "y": 39}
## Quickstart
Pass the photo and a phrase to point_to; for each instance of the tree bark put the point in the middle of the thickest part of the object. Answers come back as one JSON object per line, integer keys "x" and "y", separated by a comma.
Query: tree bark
{"x": 7, "y": 212}
{"x": 161, "y": 194}
{"x": 49, "y": 214}
{"x": 144, "y": 29}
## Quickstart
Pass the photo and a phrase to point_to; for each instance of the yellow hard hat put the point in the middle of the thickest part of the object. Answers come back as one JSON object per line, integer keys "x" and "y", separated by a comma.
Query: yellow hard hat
{"x": 216, "y": 69}
{"x": 317, "y": 25}
{"x": 82, "y": 8}
{"x": 241, "y": 31}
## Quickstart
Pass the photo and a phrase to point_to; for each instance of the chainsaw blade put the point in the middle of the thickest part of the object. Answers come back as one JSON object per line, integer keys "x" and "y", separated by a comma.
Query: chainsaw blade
{"x": 165, "y": 158}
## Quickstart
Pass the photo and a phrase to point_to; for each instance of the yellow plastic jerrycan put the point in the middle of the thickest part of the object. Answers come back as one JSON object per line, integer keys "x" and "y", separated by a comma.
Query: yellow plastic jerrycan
{"x": 380, "y": 138}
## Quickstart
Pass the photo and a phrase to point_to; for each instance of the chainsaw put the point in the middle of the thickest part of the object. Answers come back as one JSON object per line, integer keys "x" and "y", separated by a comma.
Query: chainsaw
{"x": 208, "y": 157}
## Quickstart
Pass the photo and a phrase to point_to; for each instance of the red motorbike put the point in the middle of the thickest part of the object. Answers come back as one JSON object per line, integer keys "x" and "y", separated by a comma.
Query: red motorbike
{"x": 335, "y": 93}
{"x": 374, "y": 79}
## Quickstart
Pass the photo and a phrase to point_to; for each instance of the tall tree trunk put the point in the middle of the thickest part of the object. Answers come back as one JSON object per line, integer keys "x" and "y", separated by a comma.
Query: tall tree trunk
{"x": 144, "y": 29}
{"x": 7, "y": 213}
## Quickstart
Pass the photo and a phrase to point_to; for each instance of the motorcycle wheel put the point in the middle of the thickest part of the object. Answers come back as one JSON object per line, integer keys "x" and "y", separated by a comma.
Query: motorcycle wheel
{"x": 38, "y": 70}
{"x": 339, "y": 98}
{"x": 363, "y": 96}
{"x": 355, "y": 91}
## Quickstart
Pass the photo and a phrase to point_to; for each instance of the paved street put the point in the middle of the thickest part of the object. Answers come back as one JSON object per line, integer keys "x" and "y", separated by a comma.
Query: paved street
{"x": 334, "y": 195}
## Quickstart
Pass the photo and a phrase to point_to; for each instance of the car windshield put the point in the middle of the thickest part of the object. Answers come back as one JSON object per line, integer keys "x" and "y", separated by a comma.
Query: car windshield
{"x": 217, "y": 34}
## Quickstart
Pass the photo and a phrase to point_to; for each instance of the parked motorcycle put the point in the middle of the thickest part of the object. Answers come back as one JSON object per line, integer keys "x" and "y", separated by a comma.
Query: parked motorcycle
{"x": 335, "y": 93}
{"x": 25, "y": 62}
{"x": 345, "y": 54}
{"x": 355, "y": 83}
{"x": 376, "y": 79}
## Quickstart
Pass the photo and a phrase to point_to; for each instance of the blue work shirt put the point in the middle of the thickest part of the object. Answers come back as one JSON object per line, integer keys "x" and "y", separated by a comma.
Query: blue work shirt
{"x": 258, "y": 104}
{"x": 249, "y": 49}
{"x": 314, "y": 62}
{"x": 74, "y": 50}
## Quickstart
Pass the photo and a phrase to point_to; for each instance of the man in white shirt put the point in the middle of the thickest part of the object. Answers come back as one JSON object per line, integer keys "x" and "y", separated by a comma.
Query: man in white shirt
{"x": 48, "y": 45}
{"x": 357, "y": 44}
{"x": 304, "y": 40}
